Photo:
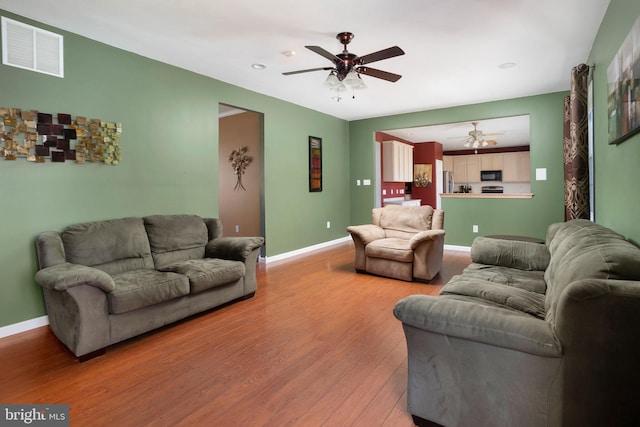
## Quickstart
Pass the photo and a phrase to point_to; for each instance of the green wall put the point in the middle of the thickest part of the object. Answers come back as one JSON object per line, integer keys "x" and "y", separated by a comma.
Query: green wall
{"x": 616, "y": 166}
{"x": 169, "y": 159}
{"x": 506, "y": 216}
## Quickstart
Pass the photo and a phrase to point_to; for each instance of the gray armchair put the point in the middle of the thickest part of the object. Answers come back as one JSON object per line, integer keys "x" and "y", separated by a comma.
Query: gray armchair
{"x": 403, "y": 242}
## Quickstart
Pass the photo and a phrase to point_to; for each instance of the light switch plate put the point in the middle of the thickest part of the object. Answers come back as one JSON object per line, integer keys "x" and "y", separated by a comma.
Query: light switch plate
{"x": 367, "y": 182}
{"x": 541, "y": 174}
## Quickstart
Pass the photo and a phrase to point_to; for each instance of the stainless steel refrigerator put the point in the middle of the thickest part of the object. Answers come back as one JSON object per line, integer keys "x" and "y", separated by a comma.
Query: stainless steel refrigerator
{"x": 448, "y": 183}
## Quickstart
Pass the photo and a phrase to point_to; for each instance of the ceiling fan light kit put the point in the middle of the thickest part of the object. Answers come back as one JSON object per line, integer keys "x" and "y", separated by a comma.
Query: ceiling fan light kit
{"x": 476, "y": 138}
{"x": 348, "y": 67}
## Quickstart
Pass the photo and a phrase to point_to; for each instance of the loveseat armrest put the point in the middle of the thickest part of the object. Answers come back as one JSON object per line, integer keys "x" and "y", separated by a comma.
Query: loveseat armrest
{"x": 233, "y": 248}
{"x": 510, "y": 253}
{"x": 478, "y": 322}
{"x": 63, "y": 276}
{"x": 425, "y": 235}
{"x": 367, "y": 233}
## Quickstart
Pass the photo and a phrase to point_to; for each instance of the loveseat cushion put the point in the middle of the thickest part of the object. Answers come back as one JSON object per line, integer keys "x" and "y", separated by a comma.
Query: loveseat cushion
{"x": 112, "y": 246}
{"x": 391, "y": 248}
{"x": 175, "y": 238}
{"x": 495, "y": 294}
{"x": 208, "y": 273}
{"x": 532, "y": 281}
{"x": 510, "y": 253}
{"x": 142, "y": 288}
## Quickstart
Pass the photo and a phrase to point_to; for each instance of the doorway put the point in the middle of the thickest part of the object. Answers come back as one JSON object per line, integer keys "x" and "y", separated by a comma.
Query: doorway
{"x": 241, "y": 201}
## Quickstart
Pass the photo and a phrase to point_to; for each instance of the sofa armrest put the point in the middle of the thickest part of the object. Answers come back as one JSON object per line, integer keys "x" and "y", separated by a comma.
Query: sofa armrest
{"x": 477, "y": 322}
{"x": 367, "y": 233}
{"x": 424, "y": 236}
{"x": 66, "y": 275}
{"x": 510, "y": 253}
{"x": 233, "y": 248}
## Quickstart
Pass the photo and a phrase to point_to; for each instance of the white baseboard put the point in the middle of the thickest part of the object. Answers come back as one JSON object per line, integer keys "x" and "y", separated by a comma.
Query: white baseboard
{"x": 458, "y": 248}
{"x": 16, "y": 328}
{"x": 297, "y": 252}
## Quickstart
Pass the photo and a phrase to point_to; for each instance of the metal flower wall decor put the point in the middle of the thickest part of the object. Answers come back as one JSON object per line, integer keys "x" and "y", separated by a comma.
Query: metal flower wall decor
{"x": 239, "y": 162}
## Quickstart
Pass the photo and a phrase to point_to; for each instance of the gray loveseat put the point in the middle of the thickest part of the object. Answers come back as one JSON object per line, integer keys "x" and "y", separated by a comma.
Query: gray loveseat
{"x": 107, "y": 281}
{"x": 530, "y": 334}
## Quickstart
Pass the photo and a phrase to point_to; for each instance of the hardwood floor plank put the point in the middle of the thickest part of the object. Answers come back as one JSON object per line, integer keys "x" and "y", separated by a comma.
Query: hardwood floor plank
{"x": 317, "y": 345}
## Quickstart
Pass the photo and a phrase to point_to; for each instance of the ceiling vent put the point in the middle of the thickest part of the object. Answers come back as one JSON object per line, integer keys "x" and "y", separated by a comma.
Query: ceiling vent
{"x": 31, "y": 48}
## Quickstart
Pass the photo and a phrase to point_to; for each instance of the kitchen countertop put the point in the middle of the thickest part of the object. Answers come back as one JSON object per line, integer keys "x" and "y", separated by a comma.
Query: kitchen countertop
{"x": 486, "y": 195}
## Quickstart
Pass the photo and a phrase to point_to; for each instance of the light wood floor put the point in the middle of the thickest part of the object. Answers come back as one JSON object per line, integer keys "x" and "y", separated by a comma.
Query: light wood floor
{"x": 318, "y": 345}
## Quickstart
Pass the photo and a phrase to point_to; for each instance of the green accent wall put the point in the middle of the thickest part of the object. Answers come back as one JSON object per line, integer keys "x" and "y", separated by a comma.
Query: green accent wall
{"x": 505, "y": 216}
{"x": 169, "y": 159}
{"x": 617, "y": 167}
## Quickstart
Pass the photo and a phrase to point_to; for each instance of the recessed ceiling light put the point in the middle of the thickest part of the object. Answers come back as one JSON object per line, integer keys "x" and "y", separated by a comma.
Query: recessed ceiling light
{"x": 507, "y": 65}
{"x": 258, "y": 66}
{"x": 289, "y": 53}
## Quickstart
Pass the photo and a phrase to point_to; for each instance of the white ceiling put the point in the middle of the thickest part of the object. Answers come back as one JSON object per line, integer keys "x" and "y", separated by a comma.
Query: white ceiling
{"x": 453, "y": 47}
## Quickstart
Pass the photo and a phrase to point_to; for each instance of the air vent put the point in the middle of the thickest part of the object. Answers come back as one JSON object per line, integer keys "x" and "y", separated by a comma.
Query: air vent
{"x": 31, "y": 48}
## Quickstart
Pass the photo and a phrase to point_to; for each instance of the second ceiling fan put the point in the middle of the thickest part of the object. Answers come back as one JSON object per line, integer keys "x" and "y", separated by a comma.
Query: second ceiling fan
{"x": 347, "y": 62}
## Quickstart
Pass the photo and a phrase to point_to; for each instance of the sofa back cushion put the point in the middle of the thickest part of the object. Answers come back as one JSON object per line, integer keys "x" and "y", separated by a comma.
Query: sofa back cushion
{"x": 113, "y": 246}
{"x": 175, "y": 238}
{"x": 581, "y": 249}
{"x": 404, "y": 221}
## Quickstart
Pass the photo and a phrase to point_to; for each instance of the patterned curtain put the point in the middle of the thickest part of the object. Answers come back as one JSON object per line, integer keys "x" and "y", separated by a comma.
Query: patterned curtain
{"x": 576, "y": 148}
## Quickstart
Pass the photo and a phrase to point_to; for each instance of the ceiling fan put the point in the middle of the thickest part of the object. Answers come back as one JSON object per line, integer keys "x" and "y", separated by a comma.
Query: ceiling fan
{"x": 478, "y": 139}
{"x": 345, "y": 63}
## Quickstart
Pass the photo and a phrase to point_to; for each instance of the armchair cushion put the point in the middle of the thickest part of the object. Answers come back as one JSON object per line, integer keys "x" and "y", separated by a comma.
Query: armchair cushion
{"x": 391, "y": 248}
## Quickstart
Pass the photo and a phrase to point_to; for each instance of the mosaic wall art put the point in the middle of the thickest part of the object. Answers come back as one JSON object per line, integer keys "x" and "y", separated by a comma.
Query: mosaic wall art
{"x": 38, "y": 137}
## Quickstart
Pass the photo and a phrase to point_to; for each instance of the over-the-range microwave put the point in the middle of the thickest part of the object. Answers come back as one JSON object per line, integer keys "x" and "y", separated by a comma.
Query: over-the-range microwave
{"x": 490, "y": 175}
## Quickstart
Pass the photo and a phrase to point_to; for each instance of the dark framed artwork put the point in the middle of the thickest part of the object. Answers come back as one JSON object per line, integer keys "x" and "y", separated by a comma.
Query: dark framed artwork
{"x": 623, "y": 81}
{"x": 315, "y": 164}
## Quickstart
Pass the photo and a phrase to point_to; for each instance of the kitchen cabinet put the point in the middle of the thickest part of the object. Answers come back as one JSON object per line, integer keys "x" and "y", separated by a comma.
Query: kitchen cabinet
{"x": 473, "y": 168}
{"x": 460, "y": 168}
{"x": 491, "y": 162}
{"x": 466, "y": 169}
{"x": 516, "y": 167}
{"x": 447, "y": 163}
{"x": 397, "y": 161}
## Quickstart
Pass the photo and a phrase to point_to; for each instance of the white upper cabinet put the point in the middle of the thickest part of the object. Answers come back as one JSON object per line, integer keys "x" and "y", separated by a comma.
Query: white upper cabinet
{"x": 397, "y": 161}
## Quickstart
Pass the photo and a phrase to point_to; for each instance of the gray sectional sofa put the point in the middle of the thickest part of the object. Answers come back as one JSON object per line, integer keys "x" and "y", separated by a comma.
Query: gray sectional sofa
{"x": 107, "y": 281}
{"x": 530, "y": 334}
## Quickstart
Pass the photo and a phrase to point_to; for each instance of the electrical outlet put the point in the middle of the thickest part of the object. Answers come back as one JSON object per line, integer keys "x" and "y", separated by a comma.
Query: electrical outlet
{"x": 237, "y": 228}
{"x": 475, "y": 228}
{"x": 328, "y": 224}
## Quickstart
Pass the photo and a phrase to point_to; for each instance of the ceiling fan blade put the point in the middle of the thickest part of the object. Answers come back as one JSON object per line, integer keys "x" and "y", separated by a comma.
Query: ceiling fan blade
{"x": 320, "y": 51}
{"x": 384, "y": 75}
{"x": 492, "y": 142}
{"x": 380, "y": 55}
{"x": 288, "y": 73}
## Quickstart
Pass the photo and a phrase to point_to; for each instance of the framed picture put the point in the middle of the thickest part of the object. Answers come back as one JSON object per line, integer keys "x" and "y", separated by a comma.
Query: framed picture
{"x": 315, "y": 164}
{"x": 623, "y": 81}
{"x": 422, "y": 175}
